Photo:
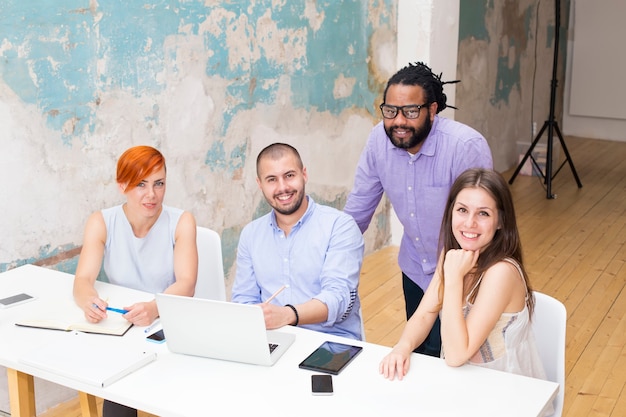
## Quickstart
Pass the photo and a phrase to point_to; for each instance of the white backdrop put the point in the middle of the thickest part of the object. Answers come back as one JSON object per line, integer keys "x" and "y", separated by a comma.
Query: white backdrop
{"x": 594, "y": 104}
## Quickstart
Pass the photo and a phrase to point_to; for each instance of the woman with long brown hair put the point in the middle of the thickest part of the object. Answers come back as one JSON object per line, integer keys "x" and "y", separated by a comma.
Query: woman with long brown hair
{"x": 480, "y": 289}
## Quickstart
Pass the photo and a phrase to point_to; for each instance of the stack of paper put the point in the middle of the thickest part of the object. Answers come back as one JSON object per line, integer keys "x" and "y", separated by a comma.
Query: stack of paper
{"x": 94, "y": 360}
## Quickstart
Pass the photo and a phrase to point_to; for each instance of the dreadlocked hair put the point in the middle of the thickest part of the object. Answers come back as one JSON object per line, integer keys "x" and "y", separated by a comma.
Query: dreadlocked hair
{"x": 420, "y": 74}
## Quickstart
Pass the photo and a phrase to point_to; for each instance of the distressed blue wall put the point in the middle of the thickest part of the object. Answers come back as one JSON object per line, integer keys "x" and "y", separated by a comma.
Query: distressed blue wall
{"x": 65, "y": 40}
{"x": 209, "y": 83}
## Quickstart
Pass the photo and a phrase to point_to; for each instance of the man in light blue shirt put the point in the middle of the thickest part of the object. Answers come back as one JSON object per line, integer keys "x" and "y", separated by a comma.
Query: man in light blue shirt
{"x": 314, "y": 252}
{"x": 414, "y": 156}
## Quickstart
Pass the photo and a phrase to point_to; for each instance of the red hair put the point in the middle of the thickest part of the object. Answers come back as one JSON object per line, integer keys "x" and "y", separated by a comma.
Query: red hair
{"x": 137, "y": 163}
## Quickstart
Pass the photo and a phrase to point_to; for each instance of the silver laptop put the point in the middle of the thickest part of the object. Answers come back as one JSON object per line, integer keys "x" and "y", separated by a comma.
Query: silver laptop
{"x": 220, "y": 330}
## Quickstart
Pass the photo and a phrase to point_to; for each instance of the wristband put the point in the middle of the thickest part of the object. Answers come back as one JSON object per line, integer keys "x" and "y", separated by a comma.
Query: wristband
{"x": 294, "y": 312}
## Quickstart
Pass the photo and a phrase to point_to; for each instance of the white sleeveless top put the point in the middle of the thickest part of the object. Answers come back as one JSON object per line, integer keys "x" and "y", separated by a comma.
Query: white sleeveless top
{"x": 510, "y": 346}
{"x": 147, "y": 263}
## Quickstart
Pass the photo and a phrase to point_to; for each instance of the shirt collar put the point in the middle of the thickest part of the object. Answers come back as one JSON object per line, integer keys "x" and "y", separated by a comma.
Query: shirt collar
{"x": 428, "y": 146}
{"x": 304, "y": 218}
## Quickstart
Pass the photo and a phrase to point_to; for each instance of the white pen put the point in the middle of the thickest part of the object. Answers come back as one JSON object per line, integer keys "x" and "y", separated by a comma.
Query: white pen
{"x": 152, "y": 326}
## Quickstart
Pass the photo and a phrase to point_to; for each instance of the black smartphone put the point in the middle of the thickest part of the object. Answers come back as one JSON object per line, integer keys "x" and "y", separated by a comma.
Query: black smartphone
{"x": 322, "y": 384}
{"x": 15, "y": 300}
{"x": 157, "y": 337}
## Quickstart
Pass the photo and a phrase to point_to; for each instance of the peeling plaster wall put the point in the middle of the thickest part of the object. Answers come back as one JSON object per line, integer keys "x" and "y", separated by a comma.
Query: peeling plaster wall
{"x": 208, "y": 82}
{"x": 505, "y": 65}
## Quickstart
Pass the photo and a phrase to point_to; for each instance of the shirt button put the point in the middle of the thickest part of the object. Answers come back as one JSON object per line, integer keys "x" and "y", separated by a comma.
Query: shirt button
{"x": 412, "y": 214}
{"x": 417, "y": 239}
{"x": 410, "y": 188}
{"x": 423, "y": 260}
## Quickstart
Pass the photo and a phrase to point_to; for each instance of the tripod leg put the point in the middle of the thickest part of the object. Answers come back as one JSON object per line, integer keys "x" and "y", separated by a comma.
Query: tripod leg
{"x": 567, "y": 156}
{"x": 528, "y": 153}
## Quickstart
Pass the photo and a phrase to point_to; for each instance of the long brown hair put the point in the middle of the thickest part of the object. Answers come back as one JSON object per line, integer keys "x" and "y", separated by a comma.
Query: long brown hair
{"x": 506, "y": 242}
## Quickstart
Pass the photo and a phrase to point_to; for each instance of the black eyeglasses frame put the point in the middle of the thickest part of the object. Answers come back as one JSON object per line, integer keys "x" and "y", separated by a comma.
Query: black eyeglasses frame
{"x": 402, "y": 109}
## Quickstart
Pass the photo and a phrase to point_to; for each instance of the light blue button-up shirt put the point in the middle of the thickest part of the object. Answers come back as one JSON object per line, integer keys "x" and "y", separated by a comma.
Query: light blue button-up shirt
{"x": 417, "y": 187}
{"x": 320, "y": 259}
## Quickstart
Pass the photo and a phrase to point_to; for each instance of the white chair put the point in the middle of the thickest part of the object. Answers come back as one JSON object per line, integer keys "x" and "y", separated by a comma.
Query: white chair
{"x": 210, "y": 283}
{"x": 362, "y": 323}
{"x": 549, "y": 323}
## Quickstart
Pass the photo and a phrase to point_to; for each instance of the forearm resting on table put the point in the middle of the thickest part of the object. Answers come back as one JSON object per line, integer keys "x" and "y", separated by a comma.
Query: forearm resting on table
{"x": 311, "y": 312}
{"x": 416, "y": 329}
{"x": 454, "y": 335}
{"x": 84, "y": 291}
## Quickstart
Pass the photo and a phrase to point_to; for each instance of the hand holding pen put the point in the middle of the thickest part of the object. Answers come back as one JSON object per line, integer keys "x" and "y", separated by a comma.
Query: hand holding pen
{"x": 107, "y": 308}
{"x": 273, "y": 313}
{"x": 95, "y": 310}
{"x": 117, "y": 310}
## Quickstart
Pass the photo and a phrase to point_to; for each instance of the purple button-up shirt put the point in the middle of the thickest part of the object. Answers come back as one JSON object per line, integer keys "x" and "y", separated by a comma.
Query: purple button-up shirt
{"x": 417, "y": 186}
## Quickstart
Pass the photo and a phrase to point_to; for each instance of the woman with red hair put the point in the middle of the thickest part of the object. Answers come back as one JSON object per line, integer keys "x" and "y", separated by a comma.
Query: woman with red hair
{"x": 141, "y": 244}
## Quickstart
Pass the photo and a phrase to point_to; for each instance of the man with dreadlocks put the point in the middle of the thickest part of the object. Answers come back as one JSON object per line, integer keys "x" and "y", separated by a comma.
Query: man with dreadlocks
{"x": 414, "y": 156}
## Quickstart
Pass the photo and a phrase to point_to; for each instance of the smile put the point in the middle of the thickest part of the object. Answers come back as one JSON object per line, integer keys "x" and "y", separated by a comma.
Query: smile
{"x": 470, "y": 235}
{"x": 401, "y": 132}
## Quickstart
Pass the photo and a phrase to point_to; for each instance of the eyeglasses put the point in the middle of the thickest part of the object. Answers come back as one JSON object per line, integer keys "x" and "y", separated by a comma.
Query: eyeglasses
{"x": 411, "y": 111}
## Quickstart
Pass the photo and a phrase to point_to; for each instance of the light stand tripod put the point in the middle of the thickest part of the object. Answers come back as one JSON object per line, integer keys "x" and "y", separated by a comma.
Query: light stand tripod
{"x": 550, "y": 125}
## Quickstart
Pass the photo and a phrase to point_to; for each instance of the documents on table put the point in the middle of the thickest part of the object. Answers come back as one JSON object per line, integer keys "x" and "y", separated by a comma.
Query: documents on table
{"x": 94, "y": 360}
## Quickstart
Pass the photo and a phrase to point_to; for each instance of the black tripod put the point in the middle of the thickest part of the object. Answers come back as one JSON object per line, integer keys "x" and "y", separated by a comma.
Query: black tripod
{"x": 550, "y": 125}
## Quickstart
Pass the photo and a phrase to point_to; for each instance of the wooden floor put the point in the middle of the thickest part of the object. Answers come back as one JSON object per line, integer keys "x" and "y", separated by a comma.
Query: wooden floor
{"x": 574, "y": 250}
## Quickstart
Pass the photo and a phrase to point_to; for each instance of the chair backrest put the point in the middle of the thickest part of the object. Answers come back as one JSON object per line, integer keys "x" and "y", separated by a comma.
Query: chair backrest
{"x": 210, "y": 283}
{"x": 549, "y": 323}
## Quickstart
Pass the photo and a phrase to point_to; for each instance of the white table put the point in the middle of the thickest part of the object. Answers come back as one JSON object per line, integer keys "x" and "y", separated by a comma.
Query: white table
{"x": 179, "y": 385}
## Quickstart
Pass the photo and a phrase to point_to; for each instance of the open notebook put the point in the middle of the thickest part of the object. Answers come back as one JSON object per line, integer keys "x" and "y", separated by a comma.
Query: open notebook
{"x": 92, "y": 359}
{"x": 114, "y": 324}
{"x": 220, "y": 330}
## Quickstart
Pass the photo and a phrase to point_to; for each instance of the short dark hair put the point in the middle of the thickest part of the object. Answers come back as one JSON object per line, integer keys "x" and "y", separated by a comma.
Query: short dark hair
{"x": 276, "y": 151}
{"x": 421, "y": 75}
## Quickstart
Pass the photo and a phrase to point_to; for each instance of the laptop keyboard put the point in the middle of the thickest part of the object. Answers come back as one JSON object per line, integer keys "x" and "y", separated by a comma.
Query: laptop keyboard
{"x": 272, "y": 346}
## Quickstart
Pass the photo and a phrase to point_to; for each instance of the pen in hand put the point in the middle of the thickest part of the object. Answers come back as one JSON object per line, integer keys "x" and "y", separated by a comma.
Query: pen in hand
{"x": 278, "y": 291}
{"x": 117, "y": 310}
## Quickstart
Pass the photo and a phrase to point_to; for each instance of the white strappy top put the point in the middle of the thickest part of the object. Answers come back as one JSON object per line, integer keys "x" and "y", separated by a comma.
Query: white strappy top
{"x": 510, "y": 346}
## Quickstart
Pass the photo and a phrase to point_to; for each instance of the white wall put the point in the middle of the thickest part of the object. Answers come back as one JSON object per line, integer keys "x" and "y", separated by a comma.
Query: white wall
{"x": 428, "y": 31}
{"x": 596, "y": 63}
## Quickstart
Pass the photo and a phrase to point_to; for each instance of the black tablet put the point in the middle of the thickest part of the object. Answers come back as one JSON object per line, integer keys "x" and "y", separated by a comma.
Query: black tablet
{"x": 330, "y": 357}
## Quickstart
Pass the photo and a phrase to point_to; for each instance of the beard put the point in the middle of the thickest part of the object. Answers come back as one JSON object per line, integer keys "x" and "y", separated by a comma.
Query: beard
{"x": 418, "y": 135}
{"x": 292, "y": 208}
